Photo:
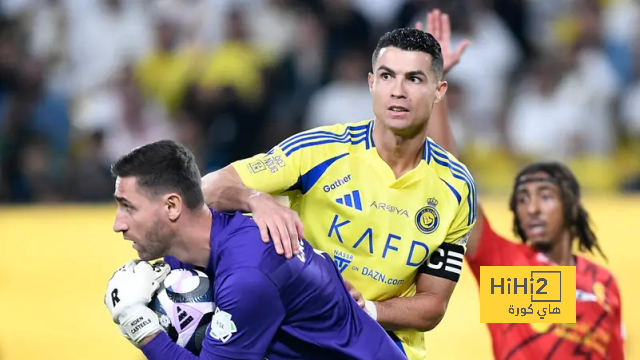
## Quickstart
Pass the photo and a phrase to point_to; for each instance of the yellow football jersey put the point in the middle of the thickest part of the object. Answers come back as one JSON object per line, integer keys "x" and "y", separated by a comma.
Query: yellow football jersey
{"x": 380, "y": 230}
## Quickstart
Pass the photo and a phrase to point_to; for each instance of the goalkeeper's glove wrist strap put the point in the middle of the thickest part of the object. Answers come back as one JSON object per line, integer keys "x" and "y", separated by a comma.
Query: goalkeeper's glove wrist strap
{"x": 138, "y": 323}
{"x": 371, "y": 309}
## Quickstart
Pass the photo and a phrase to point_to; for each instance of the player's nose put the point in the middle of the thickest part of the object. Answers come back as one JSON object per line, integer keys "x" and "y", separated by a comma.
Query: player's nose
{"x": 119, "y": 225}
{"x": 398, "y": 90}
{"x": 533, "y": 206}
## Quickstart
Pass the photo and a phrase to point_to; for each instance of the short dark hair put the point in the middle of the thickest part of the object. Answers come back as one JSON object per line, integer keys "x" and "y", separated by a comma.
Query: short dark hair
{"x": 161, "y": 167}
{"x": 409, "y": 39}
{"x": 576, "y": 216}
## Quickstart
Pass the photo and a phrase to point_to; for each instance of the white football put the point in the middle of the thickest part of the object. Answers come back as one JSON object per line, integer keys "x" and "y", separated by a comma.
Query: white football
{"x": 184, "y": 304}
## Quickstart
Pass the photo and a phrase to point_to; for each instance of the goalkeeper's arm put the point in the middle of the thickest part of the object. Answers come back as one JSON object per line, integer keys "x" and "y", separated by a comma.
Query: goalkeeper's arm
{"x": 160, "y": 346}
{"x": 249, "y": 314}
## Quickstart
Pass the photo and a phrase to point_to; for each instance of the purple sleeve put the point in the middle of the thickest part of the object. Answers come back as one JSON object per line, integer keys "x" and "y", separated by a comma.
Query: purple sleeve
{"x": 249, "y": 314}
{"x": 162, "y": 347}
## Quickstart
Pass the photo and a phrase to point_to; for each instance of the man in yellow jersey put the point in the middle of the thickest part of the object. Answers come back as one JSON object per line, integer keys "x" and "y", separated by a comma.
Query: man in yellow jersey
{"x": 392, "y": 207}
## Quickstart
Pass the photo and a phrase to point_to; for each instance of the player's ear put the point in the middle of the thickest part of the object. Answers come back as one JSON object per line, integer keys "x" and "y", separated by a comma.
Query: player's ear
{"x": 370, "y": 80}
{"x": 173, "y": 206}
{"x": 441, "y": 90}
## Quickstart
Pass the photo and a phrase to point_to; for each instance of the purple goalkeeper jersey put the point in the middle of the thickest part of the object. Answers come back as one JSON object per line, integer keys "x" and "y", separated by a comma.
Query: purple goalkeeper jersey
{"x": 270, "y": 307}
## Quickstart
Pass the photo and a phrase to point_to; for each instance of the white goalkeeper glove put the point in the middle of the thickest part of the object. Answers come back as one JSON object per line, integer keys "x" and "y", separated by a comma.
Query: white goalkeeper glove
{"x": 370, "y": 306}
{"x": 129, "y": 291}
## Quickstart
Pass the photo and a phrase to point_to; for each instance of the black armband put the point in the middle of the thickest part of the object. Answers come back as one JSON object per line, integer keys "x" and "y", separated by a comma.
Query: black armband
{"x": 445, "y": 262}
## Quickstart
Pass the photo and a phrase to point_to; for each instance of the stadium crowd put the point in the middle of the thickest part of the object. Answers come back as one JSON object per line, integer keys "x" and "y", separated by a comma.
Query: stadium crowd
{"x": 85, "y": 81}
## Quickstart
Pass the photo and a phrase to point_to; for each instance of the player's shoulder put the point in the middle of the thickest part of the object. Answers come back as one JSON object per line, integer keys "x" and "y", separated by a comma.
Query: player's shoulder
{"x": 239, "y": 244}
{"x": 330, "y": 140}
{"x": 234, "y": 233}
{"x": 597, "y": 272}
{"x": 455, "y": 176}
{"x": 235, "y": 224}
{"x": 447, "y": 166}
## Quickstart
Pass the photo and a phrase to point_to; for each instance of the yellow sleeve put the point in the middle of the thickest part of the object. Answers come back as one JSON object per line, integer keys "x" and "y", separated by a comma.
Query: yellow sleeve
{"x": 274, "y": 172}
{"x": 465, "y": 219}
{"x": 295, "y": 165}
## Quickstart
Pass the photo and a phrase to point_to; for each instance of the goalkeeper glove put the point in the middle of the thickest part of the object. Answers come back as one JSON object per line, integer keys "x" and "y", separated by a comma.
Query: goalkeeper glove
{"x": 129, "y": 291}
{"x": 370, "y": 306}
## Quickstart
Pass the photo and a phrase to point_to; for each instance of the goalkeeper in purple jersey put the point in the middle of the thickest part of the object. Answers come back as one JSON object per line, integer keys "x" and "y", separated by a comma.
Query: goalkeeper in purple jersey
{"x": 267, "y": 306}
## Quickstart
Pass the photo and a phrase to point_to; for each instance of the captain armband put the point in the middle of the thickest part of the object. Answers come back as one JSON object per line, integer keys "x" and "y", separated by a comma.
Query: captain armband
{"x": 445, "y": 262}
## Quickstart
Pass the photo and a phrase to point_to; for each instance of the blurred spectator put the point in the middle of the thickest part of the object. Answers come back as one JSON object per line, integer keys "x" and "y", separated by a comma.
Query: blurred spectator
{"x": 190, "y": 19}
{"x": 550, "y": 23}
{"x": 346, "y": 98}
{"x": 630, "y": 113}
{"x": 121, "y": 120}
{"x": 165, "y": 72}
{"x": 236, "y": 64}
{"x": 302, "y": 71}
{"x": 485, "y": 80}
{"x": 380, "y": 13}
{"x": 272, "y": 26}
{"x": 49, "y": 42}
{"x": 104, "y": 35}
{"x": 229, "y": 78}
{"x": 410, "y": 9}
{"x": 542, "y": 122}
{"x": 34, "y": 137}
{"x": 346, "y": 29}
{"x": 93, "y": 181}
{"x": 455, "y": 102}
{"x": 126, "y": 120}
{"x": 515, "y": 15}
{"x": 590, "y": 84}
{"x": 630, "y": 104}
{"x": 620, "y": 32}
{"x": 231, "y": 95}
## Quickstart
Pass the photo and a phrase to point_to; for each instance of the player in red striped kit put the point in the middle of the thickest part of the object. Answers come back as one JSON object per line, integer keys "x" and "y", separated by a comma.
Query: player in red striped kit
{"x": 548, "y": 217}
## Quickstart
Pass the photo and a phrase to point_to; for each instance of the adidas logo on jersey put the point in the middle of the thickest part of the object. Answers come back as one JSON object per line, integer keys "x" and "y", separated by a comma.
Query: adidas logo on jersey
{"x": 351, "y": 200}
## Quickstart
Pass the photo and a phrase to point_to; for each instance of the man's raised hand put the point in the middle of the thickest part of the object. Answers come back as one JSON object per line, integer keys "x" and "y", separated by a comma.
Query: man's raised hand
{"x": 439, "y": 25}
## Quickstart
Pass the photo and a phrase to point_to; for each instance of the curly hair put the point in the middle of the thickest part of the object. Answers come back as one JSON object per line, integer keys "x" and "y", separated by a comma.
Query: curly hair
{"x": 575, "y": 215}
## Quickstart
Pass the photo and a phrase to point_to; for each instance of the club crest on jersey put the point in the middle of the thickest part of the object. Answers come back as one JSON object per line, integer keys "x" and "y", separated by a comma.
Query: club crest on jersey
{"x": 342, "y": 259}
{"x": 257, "y": 166}
{"x": 427, "y": 218}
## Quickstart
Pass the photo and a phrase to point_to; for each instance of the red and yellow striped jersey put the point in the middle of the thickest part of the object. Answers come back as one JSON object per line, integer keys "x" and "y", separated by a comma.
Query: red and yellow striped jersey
{"x": 597, "y": 333}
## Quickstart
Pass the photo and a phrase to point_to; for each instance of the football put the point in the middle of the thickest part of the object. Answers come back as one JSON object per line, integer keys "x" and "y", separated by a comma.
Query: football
{"x": 184, "y": 304}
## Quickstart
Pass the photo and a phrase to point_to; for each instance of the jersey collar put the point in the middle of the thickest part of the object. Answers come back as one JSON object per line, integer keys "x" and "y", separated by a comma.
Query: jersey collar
{"x": 415, "y": 174}
{"x": 426, "y": 149}
{"x": 544, "y": 259}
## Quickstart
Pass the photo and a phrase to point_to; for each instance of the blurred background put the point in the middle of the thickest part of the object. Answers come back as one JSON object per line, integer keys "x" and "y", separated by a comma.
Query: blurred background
{"x": 85, "y": 81}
